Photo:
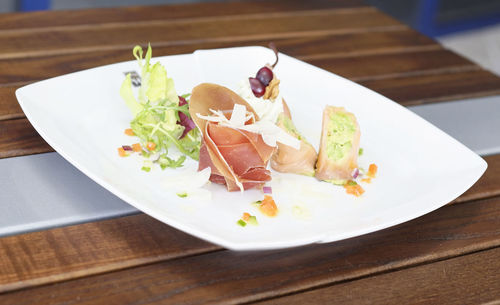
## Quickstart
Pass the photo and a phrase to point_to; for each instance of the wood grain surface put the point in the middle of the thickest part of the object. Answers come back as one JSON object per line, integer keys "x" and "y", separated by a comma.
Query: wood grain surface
{"x": 399, "y": 40}
{"x": 488, "y": 185}
{"x": 449, "y": 254}
{"x": 9, "y": 107}
{"x": 123, "y": 36}
{"x": 63, "y": 253}
{"x": 228, "y": 277}
{"x": 469, "y": 279}
{"x": 420, "y": 89}
{"x": 44, "y": 19}
{"x": 19, "y": 138}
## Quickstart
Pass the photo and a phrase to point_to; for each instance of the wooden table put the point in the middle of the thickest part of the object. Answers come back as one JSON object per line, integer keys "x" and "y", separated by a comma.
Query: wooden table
{"x": 450, "y": 256}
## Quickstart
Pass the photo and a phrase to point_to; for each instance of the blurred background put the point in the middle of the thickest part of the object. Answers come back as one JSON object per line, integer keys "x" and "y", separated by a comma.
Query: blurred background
{"x": 468, "y": 27}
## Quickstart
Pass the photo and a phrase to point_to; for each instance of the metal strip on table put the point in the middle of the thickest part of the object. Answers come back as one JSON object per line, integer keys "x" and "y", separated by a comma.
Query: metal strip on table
{"x": 473, "y": 122}
{"x": 45, "y": 191}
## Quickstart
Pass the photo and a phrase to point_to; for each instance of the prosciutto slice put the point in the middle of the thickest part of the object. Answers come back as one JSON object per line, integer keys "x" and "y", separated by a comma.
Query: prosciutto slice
{"x": 238, "y": 158}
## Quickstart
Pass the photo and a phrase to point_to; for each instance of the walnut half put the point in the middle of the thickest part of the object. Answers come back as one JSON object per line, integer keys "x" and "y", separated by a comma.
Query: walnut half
{"x": 272, "y": 90}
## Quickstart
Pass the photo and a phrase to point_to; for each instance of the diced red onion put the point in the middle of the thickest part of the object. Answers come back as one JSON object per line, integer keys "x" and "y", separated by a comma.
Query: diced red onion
{"x": 127, "y": 148}
{"x": 355, "y": 173}
{"x": 267, "y": 190}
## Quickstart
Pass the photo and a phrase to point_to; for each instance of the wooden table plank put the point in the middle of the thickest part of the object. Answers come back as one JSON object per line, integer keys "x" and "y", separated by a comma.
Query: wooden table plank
{"x": 421, "y": 89}
{"x": 396, "y": 65}
{"x": 470, "y": 279}
{"x": 45, "y": 19}
{"x": 19, "y": 138}
{"x": 59, "y": 254}
{"x": 487, "y": 186}
{"x": 65, "y": 40}
{"x": 9, "y": 107}
{"x": 328, "y": 46}
{"x": 376, "y": 41}
{"x": 126, "y": 242}
{"x": 235, "y": 277}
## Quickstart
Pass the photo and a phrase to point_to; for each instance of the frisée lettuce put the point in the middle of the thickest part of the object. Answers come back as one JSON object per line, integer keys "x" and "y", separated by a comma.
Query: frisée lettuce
{"x": 156, "y": 112}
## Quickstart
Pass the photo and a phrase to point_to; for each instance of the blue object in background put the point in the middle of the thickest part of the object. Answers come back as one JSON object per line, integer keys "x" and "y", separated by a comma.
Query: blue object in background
{"x": 33, "y": 5}
{"x": 439, "y": 17}
{"x": 429, "y": 23}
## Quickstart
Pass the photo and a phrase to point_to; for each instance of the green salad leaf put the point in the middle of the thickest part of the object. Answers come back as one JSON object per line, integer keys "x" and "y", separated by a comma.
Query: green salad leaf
{"x": 128, "y": 96}
{"x": 156, "y": 113}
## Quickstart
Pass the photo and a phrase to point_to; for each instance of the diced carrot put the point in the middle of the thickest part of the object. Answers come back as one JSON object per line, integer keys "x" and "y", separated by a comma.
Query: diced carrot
{"x": 122, "y": 152}
{"x": 372, "y": 170}
{"x": 136, "y": 147}
{"x": 355, "y": 190}
{"x": 246, "y": 216}
{"x": 268, "y": 206}
{"x": 360, "y": 190}
{"x": 129, "y": 132}
{"x": 150, "y": 146}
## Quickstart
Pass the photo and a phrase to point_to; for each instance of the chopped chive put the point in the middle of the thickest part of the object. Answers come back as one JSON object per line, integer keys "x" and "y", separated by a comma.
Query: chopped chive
{"x": 257, "y": 203}
{"x": 182, "y": 195}
{"x": 241, "y": 223}
{"x": 360, "y": 152}
{"x": 146, "y": 166}
{"x": 253, "y": 220}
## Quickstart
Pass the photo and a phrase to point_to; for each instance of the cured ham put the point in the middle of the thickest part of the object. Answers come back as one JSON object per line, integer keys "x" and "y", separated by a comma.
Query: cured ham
{"x": 338, "y": 153}
{"x": 288, "y": 159}
{"x": 238, "y": 158}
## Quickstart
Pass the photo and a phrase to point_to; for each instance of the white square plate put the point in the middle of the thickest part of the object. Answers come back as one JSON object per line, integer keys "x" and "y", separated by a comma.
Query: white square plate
{"x": 82, "y": 116}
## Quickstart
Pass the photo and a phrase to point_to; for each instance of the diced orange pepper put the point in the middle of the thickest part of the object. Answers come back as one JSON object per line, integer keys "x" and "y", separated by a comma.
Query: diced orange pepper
{"x": 122, "y": 152}
{"x": 359, "y": 190}
{"x": 246, "y": 216}
{"x": 136, "y": 147}
{"x": 129, "y": 132}
{"x": 372, "y": 170}
{"x": 355, "y": 190}
{"x": 268, "y": 206}
{"x": 150, "y": 146}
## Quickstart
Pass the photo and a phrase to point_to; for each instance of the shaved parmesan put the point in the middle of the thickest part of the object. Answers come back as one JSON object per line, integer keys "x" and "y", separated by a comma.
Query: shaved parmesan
{"x": 238, "y": 117}
{"x": 269, "y": 131}
{"x": 271, "y": 134}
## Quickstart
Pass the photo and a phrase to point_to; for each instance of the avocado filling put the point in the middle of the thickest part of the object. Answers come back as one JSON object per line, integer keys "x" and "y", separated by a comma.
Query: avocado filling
{"x": 341, "y": 129}
{"x": 289, "y": 126}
